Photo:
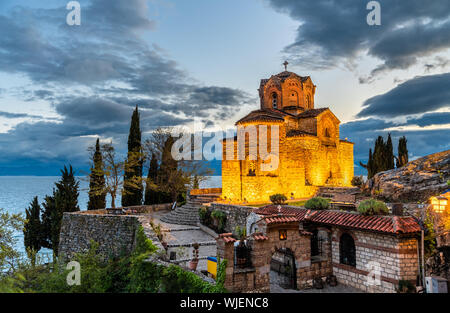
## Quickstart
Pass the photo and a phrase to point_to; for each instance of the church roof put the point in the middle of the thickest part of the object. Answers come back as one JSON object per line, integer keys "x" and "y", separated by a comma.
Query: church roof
{"x": 283, "y": 76}
{"x": 311, "y": 113}
{"x": 270, "y": 115}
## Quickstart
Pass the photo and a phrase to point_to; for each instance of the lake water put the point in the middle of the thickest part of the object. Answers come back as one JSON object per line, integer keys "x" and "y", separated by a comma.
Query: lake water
{"x": 16, "y": 193}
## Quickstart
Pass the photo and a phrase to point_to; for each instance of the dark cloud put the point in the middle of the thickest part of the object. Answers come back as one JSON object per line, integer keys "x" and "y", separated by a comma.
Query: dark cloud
{"x": 20, "y": 115}
{"x": 94, "y": 75}
{"x": 415, "y": 96}
{"x": 335, "y": 30}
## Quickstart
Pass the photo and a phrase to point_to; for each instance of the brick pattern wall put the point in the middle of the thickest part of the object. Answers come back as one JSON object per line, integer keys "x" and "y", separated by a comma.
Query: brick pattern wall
{"x": 396, "y": 258}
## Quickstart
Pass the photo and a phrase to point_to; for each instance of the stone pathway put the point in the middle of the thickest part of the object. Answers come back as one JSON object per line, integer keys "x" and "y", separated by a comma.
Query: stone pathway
{"x": 274, "y": 288}
{"x": 180, "y": 239}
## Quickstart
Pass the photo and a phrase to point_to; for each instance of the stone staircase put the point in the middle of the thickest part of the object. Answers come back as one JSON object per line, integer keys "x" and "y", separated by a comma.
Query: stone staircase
{"x": 188, "y": 213}
{"x": 329, "y": 192}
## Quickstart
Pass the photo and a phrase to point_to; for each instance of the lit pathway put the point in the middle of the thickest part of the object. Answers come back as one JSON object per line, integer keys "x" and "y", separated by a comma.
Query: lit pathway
{"x": 180, "y": 238}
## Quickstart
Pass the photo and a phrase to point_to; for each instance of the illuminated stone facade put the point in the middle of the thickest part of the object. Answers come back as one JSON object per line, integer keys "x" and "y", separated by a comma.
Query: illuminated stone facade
{"x": 310, "y": 155}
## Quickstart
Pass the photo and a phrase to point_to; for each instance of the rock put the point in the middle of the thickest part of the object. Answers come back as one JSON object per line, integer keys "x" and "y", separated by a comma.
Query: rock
{"x": 417, "y": 181}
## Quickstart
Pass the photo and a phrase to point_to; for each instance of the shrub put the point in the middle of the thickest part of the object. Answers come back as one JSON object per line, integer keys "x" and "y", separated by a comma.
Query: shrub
{"x": 405, "y": 286}
{"x": 373, "y": 207}
{"x": 317, "y": 203}
{"x": 278, "y": 198}
{"x": 204, "y": 215}
{"x": 221, "y": 218}
{"x": 357, "y": 181}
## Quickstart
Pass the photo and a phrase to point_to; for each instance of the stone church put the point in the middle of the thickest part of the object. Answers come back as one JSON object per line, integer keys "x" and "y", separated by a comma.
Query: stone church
{"x": 310, "y": 152}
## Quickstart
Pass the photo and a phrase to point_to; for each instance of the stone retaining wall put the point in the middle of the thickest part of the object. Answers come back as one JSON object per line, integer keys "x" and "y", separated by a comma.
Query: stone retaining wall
{"x": 236, "y": 215}
{"x": 114, "y": 233}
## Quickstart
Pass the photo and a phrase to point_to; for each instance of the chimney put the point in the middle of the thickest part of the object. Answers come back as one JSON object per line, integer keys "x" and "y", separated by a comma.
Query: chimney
{"x": 397, "y": 209}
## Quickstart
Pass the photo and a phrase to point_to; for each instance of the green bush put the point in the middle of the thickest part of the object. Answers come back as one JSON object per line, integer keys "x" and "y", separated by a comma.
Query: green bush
{"x": 126, "y": 273}
{"x": 278, "y": 198}
{"x": 357, "y": 181}
{"x": 204, "y": 215}
{"x": 373, "y": 207}
{"x": 405, "y": 286}
{"x": 317, "y": 203}
{"x": 221, "y": 218}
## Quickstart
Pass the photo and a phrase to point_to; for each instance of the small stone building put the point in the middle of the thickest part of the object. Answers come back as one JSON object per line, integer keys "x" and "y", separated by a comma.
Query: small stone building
{"x": 310, "y": 151}
{"x": 370, "y": 253}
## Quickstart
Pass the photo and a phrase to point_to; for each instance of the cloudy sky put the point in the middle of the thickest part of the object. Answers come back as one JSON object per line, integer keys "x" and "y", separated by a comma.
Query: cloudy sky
{"x": 62, "y": 86}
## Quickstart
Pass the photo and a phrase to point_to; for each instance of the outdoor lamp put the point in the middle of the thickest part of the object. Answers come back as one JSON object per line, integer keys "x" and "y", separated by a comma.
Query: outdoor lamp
{"x": 283, "y": 234}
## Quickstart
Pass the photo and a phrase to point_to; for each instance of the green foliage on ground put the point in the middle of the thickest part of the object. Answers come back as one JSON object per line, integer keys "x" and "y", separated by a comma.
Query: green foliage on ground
{"x": 127, "y": 273}
{"x": 317, "y": 203}
{"x": 278, "y": 198}
{"x": 372, "y": 207}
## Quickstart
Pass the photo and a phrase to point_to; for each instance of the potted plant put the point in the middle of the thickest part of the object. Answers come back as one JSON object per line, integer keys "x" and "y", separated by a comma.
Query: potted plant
{"x": 194, "y": 262}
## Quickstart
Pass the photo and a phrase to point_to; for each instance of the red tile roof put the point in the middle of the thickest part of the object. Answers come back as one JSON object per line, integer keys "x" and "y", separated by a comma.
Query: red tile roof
{"x": 385, "y": 224}
{"x": 227, "y": 237}
{"x": 278, "y": 219}
{"x": 259, "y": 236}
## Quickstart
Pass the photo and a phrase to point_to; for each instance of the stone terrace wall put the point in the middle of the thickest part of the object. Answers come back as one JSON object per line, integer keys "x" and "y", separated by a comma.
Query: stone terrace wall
{"x": 236, "y": 215}
{"x": 397, "y": 258}
{"x": 113, "y": 233}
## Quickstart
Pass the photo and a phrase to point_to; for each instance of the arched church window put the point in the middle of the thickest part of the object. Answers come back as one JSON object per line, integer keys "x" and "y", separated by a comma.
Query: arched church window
{"x": 326, "y": 133}
{"x": 347, "y": 251}
{"x": 308, "y": 102}
{"x": 274, "y": 100}
{"x": 293, "y": 98}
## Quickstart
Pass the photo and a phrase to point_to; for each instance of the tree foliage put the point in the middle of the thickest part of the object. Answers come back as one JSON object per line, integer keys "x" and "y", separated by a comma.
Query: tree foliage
{"x": 64, "y": 199}
{"x": 32, "y": 235}
{"x": 97, "y": 194}
{"x": 382, "y": 158}
{"x": 132, "y": 192}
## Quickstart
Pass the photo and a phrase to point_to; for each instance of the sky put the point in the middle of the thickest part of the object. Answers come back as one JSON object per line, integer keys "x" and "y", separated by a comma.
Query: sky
{"x": 63, "y": 86}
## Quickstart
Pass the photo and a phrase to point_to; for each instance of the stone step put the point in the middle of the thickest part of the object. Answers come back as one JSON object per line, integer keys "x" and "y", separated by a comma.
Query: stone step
{"x": 190, "y": 244}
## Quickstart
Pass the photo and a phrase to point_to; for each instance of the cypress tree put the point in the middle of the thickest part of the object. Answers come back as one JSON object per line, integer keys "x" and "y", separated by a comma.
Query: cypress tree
{"x": 132, "y": 184}
{"x": 64, "y": 199}
{"x": 389, "y": 154}
{"x": 151, "y": 195}
{"x": 167, "y": 170}
{"x": 32, "y": 229}
{"x": 97, "y": 194}
{"x": 402, "y": 152}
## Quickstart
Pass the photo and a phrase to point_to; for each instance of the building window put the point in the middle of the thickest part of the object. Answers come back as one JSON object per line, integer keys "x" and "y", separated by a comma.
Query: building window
{"x": 274, "y": 100}
{"x": 316, "y": 244}
{"x": 347, "y": 251}
{"x": 308, "y": 101}
{"x": 283, "y": 234}
{"x": 242, "y": 255}
{"x": 327, "y": 133}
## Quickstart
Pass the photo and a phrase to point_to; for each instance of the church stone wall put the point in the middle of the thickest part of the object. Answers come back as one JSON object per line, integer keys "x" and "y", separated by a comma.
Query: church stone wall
{"x": 397, "y": 259}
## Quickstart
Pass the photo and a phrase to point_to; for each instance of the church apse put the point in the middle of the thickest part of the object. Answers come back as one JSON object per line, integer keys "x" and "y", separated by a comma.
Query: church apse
{"x": 310, "y": 152}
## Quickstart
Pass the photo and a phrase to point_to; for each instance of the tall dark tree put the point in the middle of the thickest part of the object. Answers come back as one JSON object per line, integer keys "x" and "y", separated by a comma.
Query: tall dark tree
{"x": 390, "y": 159}
{"x": 402, "y": 158}
{"x": 132, "y": 192}
{"x": 168, "y": 174}
{"x": 32, "y": 229}
{"x": 64, "y": 199}
{"x": 97, "y": 188}
{"x": 151, "y": 193}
